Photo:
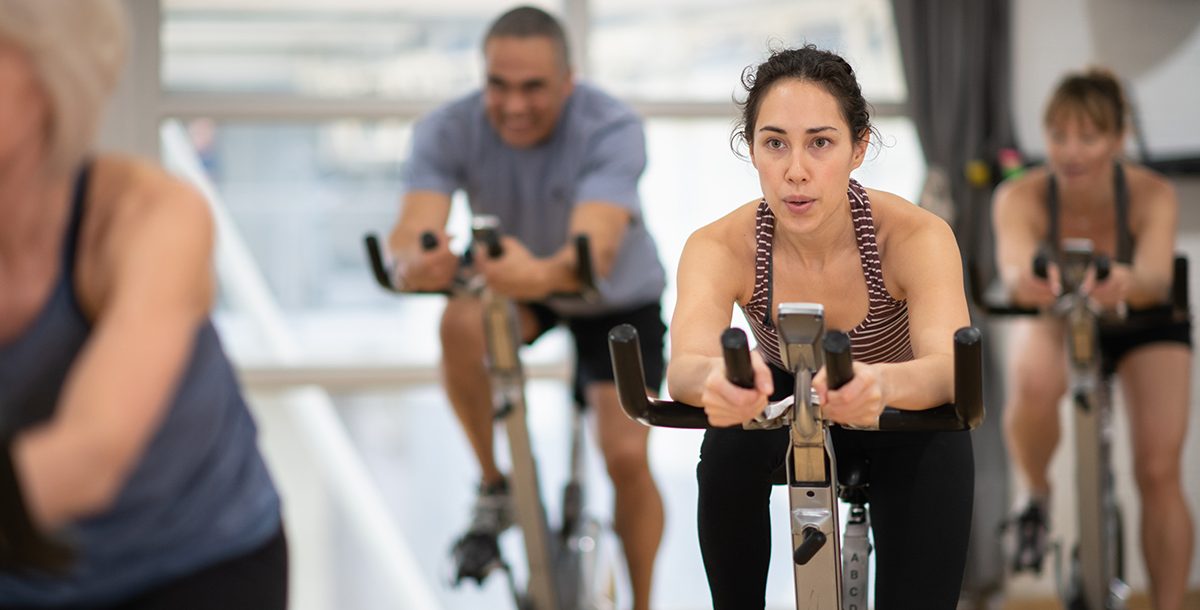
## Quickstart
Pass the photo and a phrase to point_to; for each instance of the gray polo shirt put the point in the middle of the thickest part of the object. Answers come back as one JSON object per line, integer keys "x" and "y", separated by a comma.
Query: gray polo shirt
{"x": 597, "y": 153}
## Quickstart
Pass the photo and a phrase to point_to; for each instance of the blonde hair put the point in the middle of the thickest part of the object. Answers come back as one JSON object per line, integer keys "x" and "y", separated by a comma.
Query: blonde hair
{"x": 1095, "y": 94}
{"x": 76, "y": 49}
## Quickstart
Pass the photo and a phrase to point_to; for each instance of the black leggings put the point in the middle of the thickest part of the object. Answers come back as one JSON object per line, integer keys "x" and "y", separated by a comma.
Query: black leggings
{"x": 921, "y": 487}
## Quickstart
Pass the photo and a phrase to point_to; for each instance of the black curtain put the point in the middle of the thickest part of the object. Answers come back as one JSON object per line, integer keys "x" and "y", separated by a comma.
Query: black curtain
{"x": 956, "y": 57}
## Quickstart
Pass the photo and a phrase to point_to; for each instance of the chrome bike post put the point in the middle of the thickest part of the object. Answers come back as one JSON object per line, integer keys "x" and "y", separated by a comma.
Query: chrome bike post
{"x": 812, "y": 469}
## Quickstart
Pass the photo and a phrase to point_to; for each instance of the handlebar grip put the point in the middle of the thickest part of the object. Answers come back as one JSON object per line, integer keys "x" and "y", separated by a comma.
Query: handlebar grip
{"x": 1041, "y": 265}
{"x": 1103, "y": 267}
{"x": 628, "y": 375}
{"x": 378, "y": 266}
{"x": 584, "y": 271}
{"x": 968, "y": 376}
{"x": 738, "y": 369}
{"x": 1179, "y": 285}
{"x": 838, "y": 361}
{"x": 429, "y": 241}
{"x": 814, "y": 539}
{"x": 490, "y": 239}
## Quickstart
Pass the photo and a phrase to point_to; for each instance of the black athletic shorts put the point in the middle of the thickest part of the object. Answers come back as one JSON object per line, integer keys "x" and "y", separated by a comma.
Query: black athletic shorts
{"x": 1142, "y": 327}
{"x": 254, "y": 580}
{"x": 592, "y": 361}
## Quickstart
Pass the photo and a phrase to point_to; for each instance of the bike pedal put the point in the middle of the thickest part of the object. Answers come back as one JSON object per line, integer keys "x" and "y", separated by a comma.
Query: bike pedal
{"x": 475, "y": 556}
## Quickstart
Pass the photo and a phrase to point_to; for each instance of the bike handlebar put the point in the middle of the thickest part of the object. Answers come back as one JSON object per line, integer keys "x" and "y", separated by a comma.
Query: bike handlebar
{"x": 838, "y": 368}
{"x": 736, "y": 350}
{"x": 584, "y": 272}
{"x": 1103, "y": 265}
{"x": 965, "y": 414}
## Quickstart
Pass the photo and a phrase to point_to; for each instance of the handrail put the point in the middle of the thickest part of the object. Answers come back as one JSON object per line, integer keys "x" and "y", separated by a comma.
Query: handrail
{"x": 335, "y": 376}
{"x": 311, "y": 406}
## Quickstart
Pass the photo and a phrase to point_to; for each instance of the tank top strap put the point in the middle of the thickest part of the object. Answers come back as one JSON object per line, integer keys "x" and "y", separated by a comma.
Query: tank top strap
{"x": 70, "y": 246}
{"x": 1124, "y": 232}
{"x": 764, "y": 238}
{"x": 1053, "y": 232}
{"x": 868, "y": 247}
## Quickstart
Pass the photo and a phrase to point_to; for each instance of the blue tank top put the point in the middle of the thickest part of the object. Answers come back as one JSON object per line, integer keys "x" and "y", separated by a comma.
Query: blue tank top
{"x": 199, "y": 494}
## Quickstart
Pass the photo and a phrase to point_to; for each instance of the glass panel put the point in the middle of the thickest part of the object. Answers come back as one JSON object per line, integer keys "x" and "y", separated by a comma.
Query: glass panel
{"x": 697, "y": 49}
{"x": 325, "y": 48}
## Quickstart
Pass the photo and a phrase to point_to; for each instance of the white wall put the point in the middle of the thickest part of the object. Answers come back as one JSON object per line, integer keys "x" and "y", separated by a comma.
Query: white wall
{"x": 1153, "y": 45}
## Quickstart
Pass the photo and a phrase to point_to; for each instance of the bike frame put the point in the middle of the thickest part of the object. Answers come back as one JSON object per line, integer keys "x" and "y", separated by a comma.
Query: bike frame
{"x": 811, "y": 463}
{"x": 1095, "y": 580}
{"x": 557, "y": 564}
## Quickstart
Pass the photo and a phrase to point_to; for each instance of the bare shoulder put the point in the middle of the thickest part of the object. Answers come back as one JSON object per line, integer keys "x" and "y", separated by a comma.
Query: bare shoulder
{"x": 135, "y": 196}
{"x": 1025, "y": 191}
{"x": 731, "y": 236}
{"x": 1149, "y": 187}
{"x": 901, "y": 224}
{"x": 916, "y": 247}
{"x": 142, "y": 225}
{"x": 720, "y": 254}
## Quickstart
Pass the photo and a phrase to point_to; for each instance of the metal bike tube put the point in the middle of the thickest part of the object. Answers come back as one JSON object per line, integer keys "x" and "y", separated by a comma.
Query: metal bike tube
{"x": 818, "y": 581}
{"x": 1098, "y": 585}
{"x": 508, "y": 392}
{"x": 1088, "y": 474}
{"x": 811, "y": 466}
{"x": 573, "y": 540}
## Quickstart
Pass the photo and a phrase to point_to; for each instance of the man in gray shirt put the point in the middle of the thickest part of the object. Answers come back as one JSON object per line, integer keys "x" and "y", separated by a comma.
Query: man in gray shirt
{"x": 550, "y": 158}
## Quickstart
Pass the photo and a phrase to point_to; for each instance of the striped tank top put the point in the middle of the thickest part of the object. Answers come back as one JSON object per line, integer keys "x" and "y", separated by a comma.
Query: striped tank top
{"x": 882, "y": 336}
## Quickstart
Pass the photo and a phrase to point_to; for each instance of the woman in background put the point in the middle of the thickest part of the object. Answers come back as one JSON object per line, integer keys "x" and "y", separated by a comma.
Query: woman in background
{"x": 1130, "y": 213}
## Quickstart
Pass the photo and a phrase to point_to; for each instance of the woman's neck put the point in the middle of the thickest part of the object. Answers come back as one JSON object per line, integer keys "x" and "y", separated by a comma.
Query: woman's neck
{"x": 825, "y": 243}
{"x": 33, "y": 207}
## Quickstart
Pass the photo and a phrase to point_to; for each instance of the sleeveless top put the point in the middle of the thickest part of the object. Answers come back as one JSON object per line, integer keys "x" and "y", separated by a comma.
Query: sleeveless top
{"x": 198, "y": 495}
{"x": 882, "y": 336}
{"x": 1124, "y": 253}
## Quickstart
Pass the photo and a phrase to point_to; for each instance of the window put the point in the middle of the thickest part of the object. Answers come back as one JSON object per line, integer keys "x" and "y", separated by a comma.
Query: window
{"x": 377, "y": 48}
{"x": 697, "y": 49}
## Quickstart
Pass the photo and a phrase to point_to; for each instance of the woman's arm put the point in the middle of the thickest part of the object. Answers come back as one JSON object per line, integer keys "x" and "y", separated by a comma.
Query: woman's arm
{"x": 1019, "y": 227}
{"x": 923, "y": 259}
{"x": 157, "y": 258}
{"x": 709, "y": 280}
{"x": 1147, "y": 281}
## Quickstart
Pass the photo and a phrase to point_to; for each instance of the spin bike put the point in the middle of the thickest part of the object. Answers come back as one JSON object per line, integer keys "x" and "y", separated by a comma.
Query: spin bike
{"x": 567, "y": 568}
{"x": 829, "y": 573}
{"x": 1096, "y": 573}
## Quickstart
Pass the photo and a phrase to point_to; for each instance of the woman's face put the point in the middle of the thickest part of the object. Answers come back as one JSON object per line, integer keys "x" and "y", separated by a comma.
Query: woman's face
{"x": 22, "y": 107}
{"x": 1077, "y": 150}
{"x": 804, "y": 152}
